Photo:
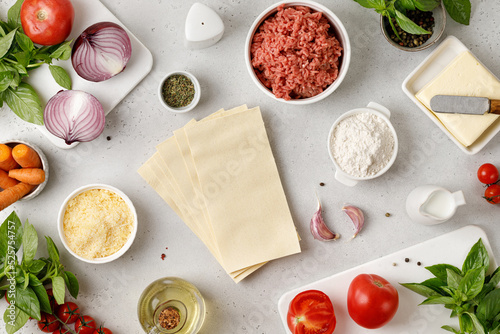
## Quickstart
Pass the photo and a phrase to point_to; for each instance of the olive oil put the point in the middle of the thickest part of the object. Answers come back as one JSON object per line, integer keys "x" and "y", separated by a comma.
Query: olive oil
{"x": 171, "y": 305}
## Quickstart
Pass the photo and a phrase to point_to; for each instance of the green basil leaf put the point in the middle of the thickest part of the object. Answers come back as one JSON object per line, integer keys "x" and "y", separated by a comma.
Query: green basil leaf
{"x": 420, "y": 289}
{"x": 6, "y": 42}
{"x": 465, "y": 323}
{"x": 478, "y": 257}
{"x": 16, "y": 77}
{"x": 27, "y": 301}
{"x": 453, "y": 279}
{"x": 72, "y": 284}
{"x": 406, "y": 4}
{"x": 14, "y": 14}
{"x": 479, "y": 328}
{"x": 489, "y": 306}
{"x": 12, "y": 234}
{"x": 495, "y": 330}
{"x": 450, "y": 329}
{"x": 438, "y": 300}
{"x": 60, "y": 76}
{"x": 408, "y": 25}
{"x": 36, "y": 266}
{"x": 62, "y": 52}
{"x": 25, "y": 103}
{"x": 26, "y": 279}
{"x": 6, "y": 78}
{"x": 58, "y": 288}
{"x": 426, "y": 5}
{"x": 376, "y": 4}
{"x": 459, "y": 10}
{"x": 472, "y": 283}
{"x": 53, "y": 251}
{"x": 14, "y": 322}
{"x": 41, "y": 293}
{"x": 30, "y": 242}
{"x": 24, "y": 42}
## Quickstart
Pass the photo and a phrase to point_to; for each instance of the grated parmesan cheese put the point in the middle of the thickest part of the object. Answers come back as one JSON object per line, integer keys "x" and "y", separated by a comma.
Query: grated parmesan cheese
{"x": 97, "y": 223}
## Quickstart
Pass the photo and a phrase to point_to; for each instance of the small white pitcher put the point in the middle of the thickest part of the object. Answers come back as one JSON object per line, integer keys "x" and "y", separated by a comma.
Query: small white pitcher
{"x": 430, "y": 204}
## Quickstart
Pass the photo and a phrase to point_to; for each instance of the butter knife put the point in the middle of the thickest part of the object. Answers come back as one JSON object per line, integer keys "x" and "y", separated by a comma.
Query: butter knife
{"x": 464, "y": 105}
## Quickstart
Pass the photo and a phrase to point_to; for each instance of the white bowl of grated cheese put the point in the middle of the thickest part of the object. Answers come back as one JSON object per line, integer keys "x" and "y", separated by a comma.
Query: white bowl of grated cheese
{"x": 97, "y": 223}
{"x": 362, "y": 144}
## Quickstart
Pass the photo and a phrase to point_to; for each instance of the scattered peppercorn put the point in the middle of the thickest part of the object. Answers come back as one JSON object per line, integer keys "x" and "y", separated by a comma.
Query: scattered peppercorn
{"x": 419, "y": 263}
{"x": 322, "y": 184}
{"x": 422, "y": 19}
{"x": 178, "y": 91}
{"x": 394, "y": 264}
{"x": 387, "y": 214}
{"x": 108, "y": 138}
{"x": 407, "y": 260}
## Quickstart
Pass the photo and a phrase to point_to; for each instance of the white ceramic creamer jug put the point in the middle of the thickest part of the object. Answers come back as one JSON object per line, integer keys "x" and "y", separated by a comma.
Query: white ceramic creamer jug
{"x": 430, "y": 204}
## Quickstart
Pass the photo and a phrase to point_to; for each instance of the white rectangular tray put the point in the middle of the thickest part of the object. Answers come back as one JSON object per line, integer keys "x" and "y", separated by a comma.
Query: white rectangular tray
{"x": 432, "y": 65}
{"x": 410, "y": 318}
{"x": 109, "y": 92}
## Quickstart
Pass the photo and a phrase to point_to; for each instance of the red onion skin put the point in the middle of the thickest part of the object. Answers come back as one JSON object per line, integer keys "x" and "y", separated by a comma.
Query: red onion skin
{"x": 74, "y": 122}
{"x": 88, "y": 39}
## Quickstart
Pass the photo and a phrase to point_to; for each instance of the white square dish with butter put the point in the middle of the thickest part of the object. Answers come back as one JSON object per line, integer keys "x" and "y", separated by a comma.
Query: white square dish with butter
{"x": 451, "y": 69}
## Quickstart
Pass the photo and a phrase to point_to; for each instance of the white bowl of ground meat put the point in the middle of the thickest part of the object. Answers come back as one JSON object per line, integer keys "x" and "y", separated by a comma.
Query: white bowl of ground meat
{"x": 297, "y": 52}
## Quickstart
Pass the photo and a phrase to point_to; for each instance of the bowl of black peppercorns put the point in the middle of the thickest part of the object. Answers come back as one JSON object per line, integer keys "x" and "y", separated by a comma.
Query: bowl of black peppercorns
{"x": 433, "y": 21}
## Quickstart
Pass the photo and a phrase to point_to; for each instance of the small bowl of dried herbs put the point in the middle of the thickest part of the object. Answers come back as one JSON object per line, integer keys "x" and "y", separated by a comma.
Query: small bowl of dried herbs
{"x": 432, "y": 21}
{"x": 179, "y": 91}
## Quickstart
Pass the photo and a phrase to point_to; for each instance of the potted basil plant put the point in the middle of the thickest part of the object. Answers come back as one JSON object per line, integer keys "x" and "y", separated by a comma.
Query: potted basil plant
{"x": 414, "y": 25}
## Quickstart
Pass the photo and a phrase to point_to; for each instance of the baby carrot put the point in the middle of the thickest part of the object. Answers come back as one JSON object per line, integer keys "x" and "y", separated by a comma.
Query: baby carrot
{"x": 26, "y": 156}
{"x": 32, "y": 176}
{"x": 13, "y": 194}
{"x": 7, "y": 162}
{"x": 6, "y": 181}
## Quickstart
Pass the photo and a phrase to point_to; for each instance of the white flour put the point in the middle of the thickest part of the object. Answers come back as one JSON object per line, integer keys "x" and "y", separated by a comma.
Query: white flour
{"x": 362, "y": 144}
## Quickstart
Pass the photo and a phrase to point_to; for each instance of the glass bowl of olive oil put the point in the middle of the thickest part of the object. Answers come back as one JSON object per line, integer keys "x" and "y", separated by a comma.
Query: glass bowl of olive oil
{"x": 171, "y": 305}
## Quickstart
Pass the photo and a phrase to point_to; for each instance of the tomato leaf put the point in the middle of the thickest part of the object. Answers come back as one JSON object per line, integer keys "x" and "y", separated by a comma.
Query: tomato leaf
{"x": 459, "y": 10}
{"x": 14, "y": 322}
{"x": 60, "y": 76}
{"x": 476, "y": 258}
{"x": 41, "y": 294}
{"x": 6, "y": 42}
{"x": 58, "y": 288}
{"x": 25, "y": 103}
{"x": 408, "y": 25}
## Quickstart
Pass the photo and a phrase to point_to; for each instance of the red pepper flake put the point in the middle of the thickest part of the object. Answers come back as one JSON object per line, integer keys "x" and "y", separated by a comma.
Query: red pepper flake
{"x": 163, "y": 256}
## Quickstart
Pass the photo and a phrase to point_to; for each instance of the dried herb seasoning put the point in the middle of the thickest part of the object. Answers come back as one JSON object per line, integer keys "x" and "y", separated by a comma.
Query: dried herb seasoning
{"x": 178, "y": 91}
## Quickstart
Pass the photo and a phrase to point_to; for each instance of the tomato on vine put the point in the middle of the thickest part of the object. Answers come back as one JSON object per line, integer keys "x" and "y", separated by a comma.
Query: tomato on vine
{"x": 85, "y": 325}
{"x": 48, "y": 323}
{"x": 492, "y": 194}
{"x": 487, "y": 174}
{"x": 68, "y": 312}
{"x": 102, "y": 330}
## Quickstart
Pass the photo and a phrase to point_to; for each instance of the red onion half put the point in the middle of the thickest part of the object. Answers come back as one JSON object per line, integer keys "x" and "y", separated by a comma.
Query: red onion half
{"x": 101, "y": 51}
{"x": 74, "y": 115}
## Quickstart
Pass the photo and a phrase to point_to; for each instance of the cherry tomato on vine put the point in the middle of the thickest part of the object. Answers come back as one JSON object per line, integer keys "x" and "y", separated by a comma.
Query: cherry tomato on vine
{"x": 311, "y": 312}
{"x": 102, "y": 330}
{"x": 48, "y": 323}
{"x": 492, "y": 194}
{"x": 61, "y": 331}
{"x": 85, "y": 325}
{"x": 487, "y": 174}
{"x": 68, "y": 312}
{"x": 52, "y": 300}
{"x": 47, "y": 22}
{"x": 371, "y": 301}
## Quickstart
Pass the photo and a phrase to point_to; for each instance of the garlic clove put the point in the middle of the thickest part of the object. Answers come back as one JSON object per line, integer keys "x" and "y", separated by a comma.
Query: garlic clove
{"x": 357, "y": 217}
{"x": 319, "y": 230}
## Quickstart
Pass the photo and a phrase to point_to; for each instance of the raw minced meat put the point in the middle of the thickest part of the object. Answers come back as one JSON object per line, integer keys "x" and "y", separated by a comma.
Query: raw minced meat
{"x": 295, "y": 54}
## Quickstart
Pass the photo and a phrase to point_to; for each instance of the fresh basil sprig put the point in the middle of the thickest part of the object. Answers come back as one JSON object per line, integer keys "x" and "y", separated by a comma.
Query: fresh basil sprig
{"x": 18, "y": 56}
{"x": 24, "y": 279}
{"x": 459, "y": 10}
{"x": 470, "y": 293}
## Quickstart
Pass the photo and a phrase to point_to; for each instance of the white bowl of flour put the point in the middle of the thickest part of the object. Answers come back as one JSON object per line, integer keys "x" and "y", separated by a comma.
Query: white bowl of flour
{"x": 362, "y": 144}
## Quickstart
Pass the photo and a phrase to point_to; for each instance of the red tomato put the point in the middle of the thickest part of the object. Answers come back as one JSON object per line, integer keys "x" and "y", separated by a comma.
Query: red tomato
{"x": 103, "y": 330}
{"x": 85, "y": 325}
{"x": 492, "y": 194}
{"x": 487, "y": 174}
{"x": 371, "y": 301}
{"x": 47, "y": 22}
{"x": 48, "y": 323}
{"x": 311, "y": 312}
{"x": 61, "y": 331}
{"x": 52, "y": 300}
{"x": 68, "y": 312}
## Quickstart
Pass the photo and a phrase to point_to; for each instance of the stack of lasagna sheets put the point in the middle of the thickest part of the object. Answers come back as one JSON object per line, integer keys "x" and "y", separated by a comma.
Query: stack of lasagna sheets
{"x": 220, "y": 177}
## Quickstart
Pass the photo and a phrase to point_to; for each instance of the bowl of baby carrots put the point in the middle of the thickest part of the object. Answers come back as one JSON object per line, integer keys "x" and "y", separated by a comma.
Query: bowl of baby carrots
{"x": 24, "y": 171}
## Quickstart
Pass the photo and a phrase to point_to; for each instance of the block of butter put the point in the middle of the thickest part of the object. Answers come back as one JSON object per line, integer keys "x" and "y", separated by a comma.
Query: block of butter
{"x": 464, "y": 76}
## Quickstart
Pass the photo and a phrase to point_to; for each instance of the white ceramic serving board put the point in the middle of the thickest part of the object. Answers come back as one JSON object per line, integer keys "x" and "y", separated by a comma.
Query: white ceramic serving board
{"x": 109, "y": 92}
{"x": 410, "y": 318}
{"x": 432, "y": 65}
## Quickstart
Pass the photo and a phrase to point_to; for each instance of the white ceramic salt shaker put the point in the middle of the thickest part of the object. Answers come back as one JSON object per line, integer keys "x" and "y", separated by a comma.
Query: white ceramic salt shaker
{"x": 203, "y": 28}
